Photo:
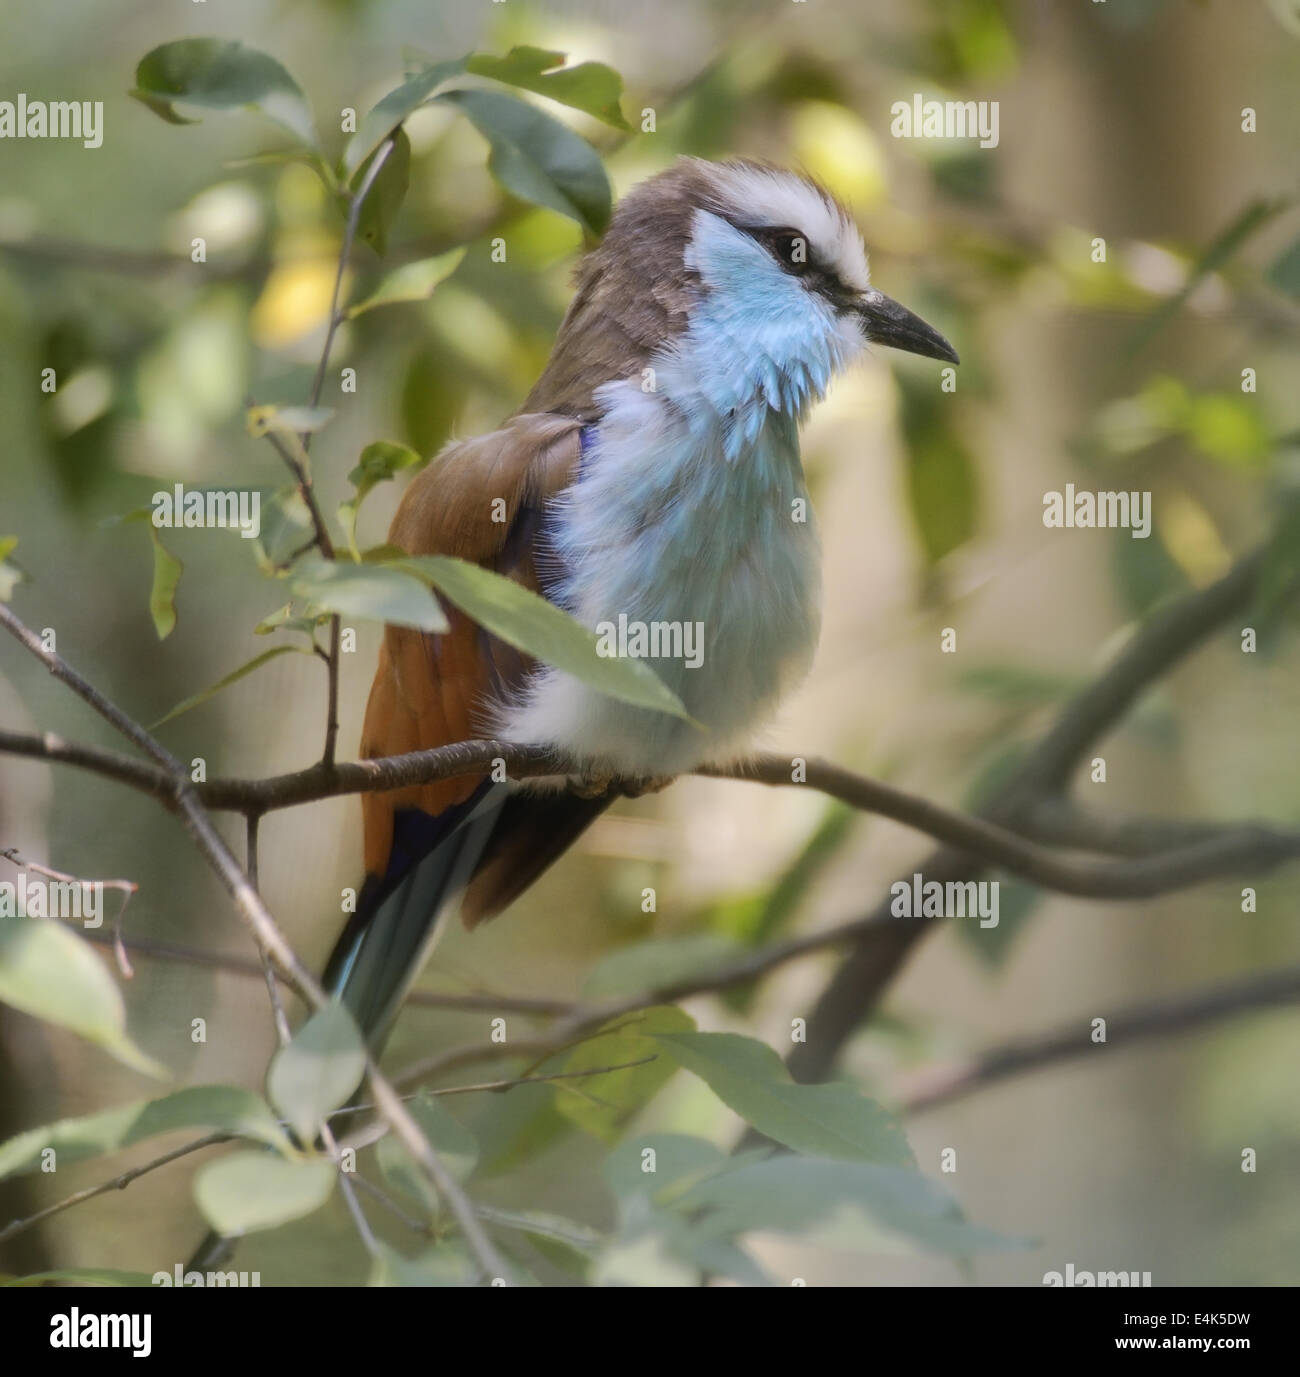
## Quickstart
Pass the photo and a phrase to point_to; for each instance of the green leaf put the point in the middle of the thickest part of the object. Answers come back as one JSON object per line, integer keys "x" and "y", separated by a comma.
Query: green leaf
{"x": 942, "y": 483}
{"x": 204, "y": 694}
{"x": 659, "y": 964}
{"x": 49, "y": 972}
{"x": 213, "y": 1108}
{"x": 167, "y": 570}
{"x": 283, "y": 619}
{"x": 411, "y": 282}
{"x": 286, "y": 528}
{"x": 1222, "y": 250}
{"x": 841, "y": 1204}
{"x": 537, "y": 158}
{"x": 386, "y": 194}
{"x": 564, "y": 1241}
{"x": 447, "y": 1264}
{"x": 602, "y": 1104}
{"x": 447, "y": 1136}
{"x": 529, "y": 623}
{"x": 217, "y": 74}
{"x": 680, "y": 1161}
{"x": 590, "y": 86}
{"x": 643, "y": 1257}
{"x": 10, "y": 575}
{"x": 652, "y": 1176}
{"x": 248, "y": 1191}
{"x": 376, "y": 592}
{"x": 379, "y": 462}
{"x": 834, "y": 1120}
{"x": 291, "y": 421}
{"x": 318, "y": 1070}
{"x": 376, "y": 126}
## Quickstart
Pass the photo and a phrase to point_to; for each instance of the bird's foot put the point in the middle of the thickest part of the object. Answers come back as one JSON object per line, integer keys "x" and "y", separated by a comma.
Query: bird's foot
{"x": 599, "y": 784}
{"x": 594, "y": 785}
{"x": 651, "y": 784}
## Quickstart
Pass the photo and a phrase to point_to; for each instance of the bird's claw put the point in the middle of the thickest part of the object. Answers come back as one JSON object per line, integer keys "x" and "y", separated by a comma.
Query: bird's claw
{"x": 589, "y": 786}
{"x": 599, "y": 785}
{"x": 651, "y": 784}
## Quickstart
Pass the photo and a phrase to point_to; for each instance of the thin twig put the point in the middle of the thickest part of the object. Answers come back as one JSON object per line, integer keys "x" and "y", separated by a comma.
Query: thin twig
{"x": 116, "y": 1183}
{"x": 1201, "y": 1008}
{"x": 128, "y": 888}
{"x": 266, "y": 932}
{"x": 278, "y": 1016}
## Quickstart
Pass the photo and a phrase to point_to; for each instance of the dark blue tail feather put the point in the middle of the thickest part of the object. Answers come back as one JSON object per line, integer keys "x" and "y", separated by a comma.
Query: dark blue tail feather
{"x": 399, "y": 915}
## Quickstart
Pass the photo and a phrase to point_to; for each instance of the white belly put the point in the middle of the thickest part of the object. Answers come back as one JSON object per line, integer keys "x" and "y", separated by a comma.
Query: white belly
{"x": 721, "y": 555}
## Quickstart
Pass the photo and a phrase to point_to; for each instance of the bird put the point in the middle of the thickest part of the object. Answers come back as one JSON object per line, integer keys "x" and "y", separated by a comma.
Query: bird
{"x": 653, "y": 475}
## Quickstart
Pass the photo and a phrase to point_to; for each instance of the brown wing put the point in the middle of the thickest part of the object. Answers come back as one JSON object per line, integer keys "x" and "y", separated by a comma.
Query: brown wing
{"x": 433, "y": 690}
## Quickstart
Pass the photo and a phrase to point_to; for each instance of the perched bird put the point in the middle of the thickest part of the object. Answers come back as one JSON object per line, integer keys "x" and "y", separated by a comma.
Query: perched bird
{"x": 652, "y": 474}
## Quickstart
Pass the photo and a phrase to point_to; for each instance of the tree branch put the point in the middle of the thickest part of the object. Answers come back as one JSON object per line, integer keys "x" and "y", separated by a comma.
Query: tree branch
{"x": 1123, "y": 1028}
{"x": 1167, "y": 636}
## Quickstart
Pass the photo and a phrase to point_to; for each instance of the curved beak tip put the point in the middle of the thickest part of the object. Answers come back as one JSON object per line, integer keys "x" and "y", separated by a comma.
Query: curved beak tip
{"x": 885, "y": 321}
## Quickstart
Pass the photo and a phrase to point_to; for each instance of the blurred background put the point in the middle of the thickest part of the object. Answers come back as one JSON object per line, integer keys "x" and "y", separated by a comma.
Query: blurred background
{"x": 1120, "y": 121}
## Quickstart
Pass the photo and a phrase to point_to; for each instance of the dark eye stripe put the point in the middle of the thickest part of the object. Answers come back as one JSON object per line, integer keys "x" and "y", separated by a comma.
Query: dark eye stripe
{"x": 815, "y": 274}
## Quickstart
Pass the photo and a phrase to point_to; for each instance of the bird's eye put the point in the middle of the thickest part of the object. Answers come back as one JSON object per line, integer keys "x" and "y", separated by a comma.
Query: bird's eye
{"x": 792, "y": 249}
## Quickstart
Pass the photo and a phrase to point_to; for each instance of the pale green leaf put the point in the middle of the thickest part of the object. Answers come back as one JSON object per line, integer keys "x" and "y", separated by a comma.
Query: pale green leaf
{"x": 834, "y": 1120}
{"x": 49, "y": 972}
{"x": 248, "y": 1191}
{"x": 318, "y": 1070}
{"x": 211, "y": 1108}
{"x": 167, "y": 570}
{"x": 379, "y": 462}
{"x": 376, "y": 592}
{"x": 528, "y": 622}
{"x": 204, "y": 694}
{"x": 287, "y": 420}
{"x": 411, "y": 282}
{"x": 447, "y": 1264}
{"x": 855, "y": 1205}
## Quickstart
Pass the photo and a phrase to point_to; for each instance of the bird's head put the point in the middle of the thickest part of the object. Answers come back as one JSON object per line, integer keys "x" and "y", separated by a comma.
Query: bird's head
{"x": 749, "y": 281}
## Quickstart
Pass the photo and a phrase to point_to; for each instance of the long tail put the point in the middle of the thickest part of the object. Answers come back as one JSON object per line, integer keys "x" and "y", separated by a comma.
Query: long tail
{"x": 495, "y": 844}
{"x": 400, "y": 915}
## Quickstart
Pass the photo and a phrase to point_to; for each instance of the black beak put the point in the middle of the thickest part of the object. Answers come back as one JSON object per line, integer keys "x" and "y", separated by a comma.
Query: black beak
{"x": 884, "y": 321}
